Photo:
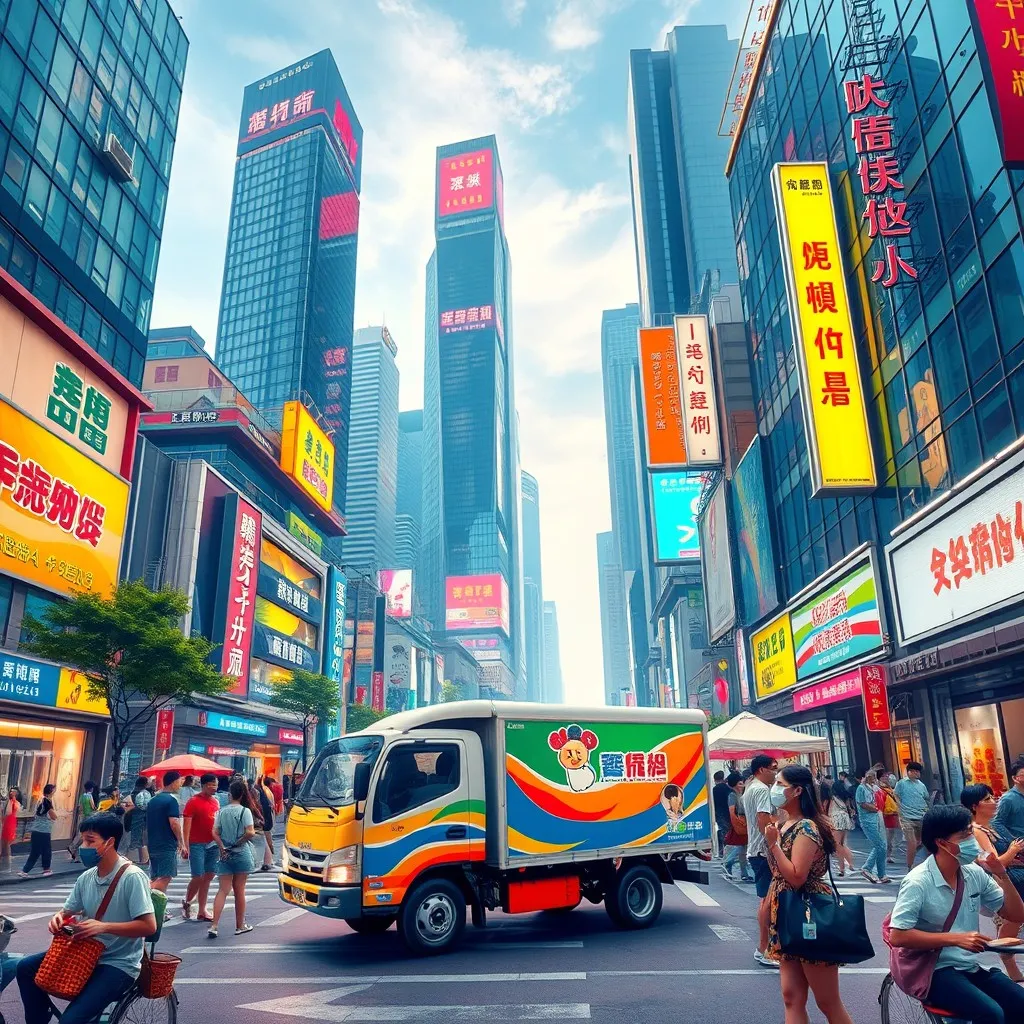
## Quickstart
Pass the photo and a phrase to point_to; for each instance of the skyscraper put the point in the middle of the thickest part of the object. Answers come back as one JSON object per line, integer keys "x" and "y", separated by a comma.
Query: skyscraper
{"x": 469, "y": 399}
{"x": 288, "y": 298}
{"x": 86, "y": 138}
{"x": 409, "y": 496}
{"x": 554, "y": 689}
{"x": 370, "y": 509}
{"x": 533, "y": 589}
{"x": 614, "y": 625}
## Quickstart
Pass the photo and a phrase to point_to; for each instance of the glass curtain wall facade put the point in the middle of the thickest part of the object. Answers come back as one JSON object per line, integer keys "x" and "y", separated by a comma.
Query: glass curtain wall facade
{"x": 533, "y": 588}
{"x": 409, "y": 496}
{"x": 288, "y": 298}
{"x": 554, "y": 688}
{"x": 89, "y": 98}
{"x": 614, "y": 627}
{"x": 432, "y": 544}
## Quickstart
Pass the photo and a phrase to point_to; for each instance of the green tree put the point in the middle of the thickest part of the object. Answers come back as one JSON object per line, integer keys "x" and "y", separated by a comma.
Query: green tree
{"x": 131, "y": 647}
{"x": 450, "y": 691}
{"x": 361, "y": 716}
{"x": 310, "y": 698}
{"x": 714, "y": 721}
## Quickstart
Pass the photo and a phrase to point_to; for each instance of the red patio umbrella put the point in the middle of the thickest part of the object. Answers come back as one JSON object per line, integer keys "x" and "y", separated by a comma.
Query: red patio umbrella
{"x": 187, "y": 764}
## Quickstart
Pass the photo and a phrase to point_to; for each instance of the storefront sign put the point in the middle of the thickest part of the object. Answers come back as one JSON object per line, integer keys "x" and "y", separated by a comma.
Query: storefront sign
{"x": 289, "y": 736}
{"x": 164, "y": 728}
{"x": 301, "y": 532}
{"x": 73, "y": 694}
{"x": 212, "y": 751}
{"x": 838, "y": 688}
{"x": 840, "y": 623}
{"x": 741, "y": 664}
{"x": 835, "y": 412}
{"x": 281, "y": 650}
{"x": 748, "y": 59}
{"x": 61, "y": 515}
{"x": 288, "y": 595}
{"x": 999, "y": 30}
{"x": 662, "y": 401}
{"x": 876, "y": 698}
{"x": 334, "y": 627}
{"x": 27, "y": 681}
{"x": 307, "y": 454}
{"x": 963, "y": 561}
{"x": 771, "y": 651}
{"x": 197, "y": 748}
{"x": 716, "y": 563}
{"x": 231, "y": 723}
{"x": 700, "y": 397}
{"x": 918, "y": 665}
{"x": 377, "y": 692}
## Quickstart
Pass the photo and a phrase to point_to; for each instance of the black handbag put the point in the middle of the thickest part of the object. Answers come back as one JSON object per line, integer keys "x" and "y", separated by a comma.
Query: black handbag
{"x": 829, "y": 928}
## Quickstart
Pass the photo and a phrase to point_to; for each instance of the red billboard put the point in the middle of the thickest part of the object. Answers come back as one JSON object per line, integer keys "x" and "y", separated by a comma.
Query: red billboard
{"x": 476, "y": 602}
{"x": 999, "y": 28}
{"x": 465, "y": 183}
{"x": 164, "y": 728}
{"x": 876, "y": 698}
{"x": 242, "y": 536}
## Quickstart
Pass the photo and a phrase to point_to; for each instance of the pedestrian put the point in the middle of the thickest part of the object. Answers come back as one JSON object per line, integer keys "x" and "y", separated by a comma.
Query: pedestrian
{"x": 200, "y": 813}
{"x": 760, "y": 813}
{"x": 993, "y": 838}
{"x": 187, "y": 791}
{"x": 912, "y": 799}
{"x": 111, "y": 799}
{"x": 871, "y": 826}
{"x": 86, "y": 808}
{"x": 950, "y": 885}
{"x": 840, "y": 816}
{"x": 1011, "y": 804}
{"x": 223, "y": 784}
{"x": 267, "y": 809}
{"x": 135, "y": 820}
{"x": 720, "y": 795}
{"x": 41, "y": 829}
{"x": 736, "y": 837}
{"x": 166, "y": 841}
{"x": 258, "y": 844}
{"x": 890, "y": 815}
{"x": 127, "y": 922}
{"x": 800, "y": 849}
{"x": 9, "y": 824}
{"x": 278, "y": 790}
{"x": 232, "y": 831}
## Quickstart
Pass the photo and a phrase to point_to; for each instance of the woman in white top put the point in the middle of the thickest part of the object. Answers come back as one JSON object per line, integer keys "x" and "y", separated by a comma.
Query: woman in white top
{"x": 233, "y": 829}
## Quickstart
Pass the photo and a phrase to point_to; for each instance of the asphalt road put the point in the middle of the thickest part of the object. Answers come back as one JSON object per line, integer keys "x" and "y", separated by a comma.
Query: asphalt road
{"x": 694, "y": 965}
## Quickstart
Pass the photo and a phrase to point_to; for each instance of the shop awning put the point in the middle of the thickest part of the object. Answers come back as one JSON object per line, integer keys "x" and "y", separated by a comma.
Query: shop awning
{"x": 746, "y": 735}
{"x": 187, "y": 764}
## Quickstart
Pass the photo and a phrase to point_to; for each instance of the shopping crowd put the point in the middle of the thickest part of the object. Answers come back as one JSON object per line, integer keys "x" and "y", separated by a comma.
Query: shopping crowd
{"x": 783, "y": 828}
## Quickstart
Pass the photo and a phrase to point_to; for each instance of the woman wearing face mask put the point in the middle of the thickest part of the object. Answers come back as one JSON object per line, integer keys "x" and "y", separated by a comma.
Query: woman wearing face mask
{"x": 871, "y": 826}
{"x": 799, "y": 850}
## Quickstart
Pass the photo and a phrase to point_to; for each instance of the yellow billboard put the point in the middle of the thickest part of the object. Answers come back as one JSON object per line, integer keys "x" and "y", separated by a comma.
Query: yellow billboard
{"x": 771, "y": 654}
{"x": 62, "y": 516}
{"x": 835, "y": 409}
{"x": 307, "y": 454}
{"x": 73, "y": 694}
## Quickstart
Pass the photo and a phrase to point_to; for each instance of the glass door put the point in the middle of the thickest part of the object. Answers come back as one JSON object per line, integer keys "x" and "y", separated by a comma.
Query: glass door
{"x": 980, "y": 734}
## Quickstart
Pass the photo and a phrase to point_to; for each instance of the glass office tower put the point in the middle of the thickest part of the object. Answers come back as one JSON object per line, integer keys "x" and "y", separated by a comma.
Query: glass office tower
{"x": 89, "y": 97}
{"x": 533, "y": 588}
{"x": 288, "y": 297}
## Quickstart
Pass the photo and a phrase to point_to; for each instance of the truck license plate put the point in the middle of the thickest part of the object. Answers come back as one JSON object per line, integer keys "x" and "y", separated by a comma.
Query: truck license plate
{"x": 299, "y": 896}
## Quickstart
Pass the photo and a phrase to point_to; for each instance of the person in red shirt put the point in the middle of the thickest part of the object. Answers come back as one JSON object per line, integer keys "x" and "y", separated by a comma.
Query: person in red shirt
{"x": 278, "y": 790}
{"x": 199, "y": 815}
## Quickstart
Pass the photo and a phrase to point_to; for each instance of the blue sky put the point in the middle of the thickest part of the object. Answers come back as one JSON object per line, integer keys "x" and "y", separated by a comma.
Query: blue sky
{"x": 548, "y": 77}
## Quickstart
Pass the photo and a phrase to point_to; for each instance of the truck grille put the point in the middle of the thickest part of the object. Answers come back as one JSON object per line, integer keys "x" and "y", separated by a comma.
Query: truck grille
{"x": 306, "y": 864}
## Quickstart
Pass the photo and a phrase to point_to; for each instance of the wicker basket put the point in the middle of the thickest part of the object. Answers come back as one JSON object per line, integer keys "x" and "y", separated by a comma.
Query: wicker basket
{"x": 68, "y": 965}
{"x": 156, "y": 980}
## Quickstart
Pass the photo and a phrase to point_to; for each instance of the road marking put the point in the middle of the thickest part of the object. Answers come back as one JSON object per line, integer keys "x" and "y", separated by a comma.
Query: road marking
{"x": 305, "y": 949}
{"x": 879, "y": 899}
{"x": 395, "y": 979}
{"x": 283, "y": 918}
{"x": 31, "y": 917}
{"x": 696, "y": 895}
{"x": 728, "y": 932}
{"x": 739, "y": 971}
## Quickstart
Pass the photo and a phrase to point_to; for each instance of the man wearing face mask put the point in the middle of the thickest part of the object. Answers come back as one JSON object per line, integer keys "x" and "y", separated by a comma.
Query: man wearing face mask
{"x": 127, "y": 921}
{"x": 950, "y": 884}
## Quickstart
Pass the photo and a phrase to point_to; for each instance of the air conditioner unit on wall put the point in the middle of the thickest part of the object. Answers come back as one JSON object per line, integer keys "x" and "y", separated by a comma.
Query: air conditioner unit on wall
{"x": 118, "y": 159}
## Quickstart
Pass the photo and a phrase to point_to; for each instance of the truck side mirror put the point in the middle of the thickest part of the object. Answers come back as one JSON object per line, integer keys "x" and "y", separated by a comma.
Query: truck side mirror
{"x": 361, "y": 786}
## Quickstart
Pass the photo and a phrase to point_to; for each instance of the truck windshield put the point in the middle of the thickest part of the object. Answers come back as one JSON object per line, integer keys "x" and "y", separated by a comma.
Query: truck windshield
{"x": 329, "y": 782}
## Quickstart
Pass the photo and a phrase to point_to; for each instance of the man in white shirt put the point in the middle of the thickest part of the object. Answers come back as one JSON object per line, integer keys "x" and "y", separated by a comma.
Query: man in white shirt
{"x": 760, "y": 813}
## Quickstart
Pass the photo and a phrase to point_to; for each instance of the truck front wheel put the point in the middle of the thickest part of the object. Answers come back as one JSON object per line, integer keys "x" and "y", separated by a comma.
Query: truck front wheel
{"x": 433, "y": 917}
{"x": 376, "y": 925}
{"x": 635, "y": 900}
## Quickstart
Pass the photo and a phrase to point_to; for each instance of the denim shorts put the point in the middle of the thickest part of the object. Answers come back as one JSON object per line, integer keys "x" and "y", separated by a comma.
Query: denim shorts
{"x": 202, "y": 859}
{"x": 163, "y": 864}
{"x": 238, "y": 862}
{"x": 762, "y": 874}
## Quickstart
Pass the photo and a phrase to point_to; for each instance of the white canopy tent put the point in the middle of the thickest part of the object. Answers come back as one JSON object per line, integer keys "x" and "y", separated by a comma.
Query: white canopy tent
{"x": 746, "y": 735}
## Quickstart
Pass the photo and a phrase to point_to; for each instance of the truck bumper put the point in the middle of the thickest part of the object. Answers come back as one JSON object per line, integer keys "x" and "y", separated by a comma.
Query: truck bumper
{"x": 344, "y": 902}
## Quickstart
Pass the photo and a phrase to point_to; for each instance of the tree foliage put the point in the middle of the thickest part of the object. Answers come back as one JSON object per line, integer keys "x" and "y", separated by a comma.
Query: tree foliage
{"x": 131, "y": 647}
{"x": 361, "y": 716}
{"x": 310, "y": 698}
{"x": 450, "y": 691}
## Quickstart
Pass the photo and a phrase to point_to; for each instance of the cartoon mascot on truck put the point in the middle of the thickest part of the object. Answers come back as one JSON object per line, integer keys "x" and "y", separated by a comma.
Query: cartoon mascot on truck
{"x": 574, "y": 745}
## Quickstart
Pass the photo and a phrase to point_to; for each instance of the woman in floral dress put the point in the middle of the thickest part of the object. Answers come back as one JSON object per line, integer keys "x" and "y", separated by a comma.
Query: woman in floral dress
{"x": 799, "y": 850}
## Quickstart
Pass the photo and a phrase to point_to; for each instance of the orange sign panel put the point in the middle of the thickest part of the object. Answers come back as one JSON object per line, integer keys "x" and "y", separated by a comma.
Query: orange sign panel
{"x": 664, "y": 424}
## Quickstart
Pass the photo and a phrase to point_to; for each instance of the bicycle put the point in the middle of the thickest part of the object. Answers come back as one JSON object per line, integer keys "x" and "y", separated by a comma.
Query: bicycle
{"x": 899, "y": 1008}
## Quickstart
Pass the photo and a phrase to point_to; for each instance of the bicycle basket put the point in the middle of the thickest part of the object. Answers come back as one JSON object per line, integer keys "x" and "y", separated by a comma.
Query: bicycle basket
{"x": 156, "y": 979}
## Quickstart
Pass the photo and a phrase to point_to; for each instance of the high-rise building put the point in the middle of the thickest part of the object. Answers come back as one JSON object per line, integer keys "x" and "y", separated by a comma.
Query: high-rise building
{"x": 533, "y": 588}
{"x": 554, "y": 688}
{"x": 287, "y": 305}
{"x": 86, "y": 138}
{"x": 409, "y": 496}
{"x": 469, "y": 408}
{"x": 371, "y": 505}
{"x": 614, "y": 625}
{"x": 431, "y": 584}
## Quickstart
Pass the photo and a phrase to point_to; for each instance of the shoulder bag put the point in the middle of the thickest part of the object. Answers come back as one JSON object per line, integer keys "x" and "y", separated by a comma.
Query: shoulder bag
{"x": 69, "y": 962}
{"x": 827, "y": 927}
{"x": 912, "y": 969}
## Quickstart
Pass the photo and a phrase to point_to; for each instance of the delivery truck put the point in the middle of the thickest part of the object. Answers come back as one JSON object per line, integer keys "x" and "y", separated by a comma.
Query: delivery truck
{"x": 452, "y": 810}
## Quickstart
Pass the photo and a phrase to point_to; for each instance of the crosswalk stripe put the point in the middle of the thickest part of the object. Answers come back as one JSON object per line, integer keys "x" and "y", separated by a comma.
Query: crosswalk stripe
{"x": 283, "y": 918}
{"x": 31, "y": 917}
{"x": 879, "y": 899}
{"x": 696, "y": 895}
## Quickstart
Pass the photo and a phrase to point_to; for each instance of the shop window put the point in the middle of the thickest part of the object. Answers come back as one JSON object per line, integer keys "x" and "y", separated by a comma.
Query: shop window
{"x": 980, "y": 736}
{"x": 1013, "y": 727}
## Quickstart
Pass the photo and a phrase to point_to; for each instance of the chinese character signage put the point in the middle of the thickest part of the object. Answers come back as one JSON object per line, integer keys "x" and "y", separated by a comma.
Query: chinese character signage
{"x": 840, "y": 623}
{"x": 741, "y": 667}
{"x": 232, "y": 723}
{"x": 397, "y": 587}
{"x": 288, "y": 595}
{"x": 771, "y": 653}
{"x": 700, "y": 405}
{"x": 62, "y": 516}
{"x": 598, "y": 785}
{"x": 28, "y": 681}
{"x": 482, "y": 648}
{"x": 999, "y": 29}
{"x": 465, "y": 183}
{"x": 164, "y": 728}
{"x": 377, "y": 692}
{"x": 836, "y": 688}
{"x": 964, "y": 560}
{"x": 334, "y": 626}
{"x": 835, "y": 411}
{"x": 79, "y": 409}
{"x": 662, "y": 398}
{"x": 477, "y": 602}
{"x": 307, "y": 454}
{"x": 301, "y": 532}
{"x": 748, "y": 60}
{"x": 237, "y": 588}
{"x": 876, "y": 698}
{"x": 675, "y": 498}
{"x": 470, "y": 318}
{"x": 716, "y": 563}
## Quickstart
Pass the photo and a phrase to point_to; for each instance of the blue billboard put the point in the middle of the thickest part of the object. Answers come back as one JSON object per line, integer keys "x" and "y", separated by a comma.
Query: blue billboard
{"x": 334, "y": 637}
{"x": 675, "y": 498}
{"x": 755, "y": 553}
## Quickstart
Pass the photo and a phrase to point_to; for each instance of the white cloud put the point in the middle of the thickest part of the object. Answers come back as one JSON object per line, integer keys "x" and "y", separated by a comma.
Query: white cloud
{"x": 514, "y": 10}
{"x": 681, "y": 11}
{"x": 574, "y": 26}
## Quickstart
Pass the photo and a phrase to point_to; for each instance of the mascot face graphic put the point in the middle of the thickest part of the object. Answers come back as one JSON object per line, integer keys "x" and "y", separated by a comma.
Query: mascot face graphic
{"x": 574, "y": 745}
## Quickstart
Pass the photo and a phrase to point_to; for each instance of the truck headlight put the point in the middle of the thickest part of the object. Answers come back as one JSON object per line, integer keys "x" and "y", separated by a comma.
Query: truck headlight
{"x": 343, "y": 867}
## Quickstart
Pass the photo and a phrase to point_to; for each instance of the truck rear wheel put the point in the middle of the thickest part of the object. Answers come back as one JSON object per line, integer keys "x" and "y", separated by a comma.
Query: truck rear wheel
{"x": 636, "y": 899}
{"x": 433, "y": 917}
{"x": 376, "y": 925}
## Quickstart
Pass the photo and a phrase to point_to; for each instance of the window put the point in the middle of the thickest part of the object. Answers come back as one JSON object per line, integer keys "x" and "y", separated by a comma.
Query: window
{"x": 415, "y": 775}
{"x": 1006, "y": 280}
{"x": 37, "y": 604}
{"x": 10, "y": 82}
{"x": 44, "y": 38}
